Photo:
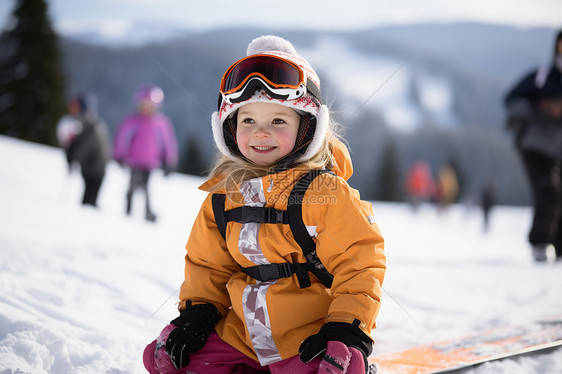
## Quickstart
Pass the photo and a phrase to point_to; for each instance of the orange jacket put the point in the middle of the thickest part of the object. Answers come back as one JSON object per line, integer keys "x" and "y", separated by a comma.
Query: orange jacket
{"x": 269, "y": 320}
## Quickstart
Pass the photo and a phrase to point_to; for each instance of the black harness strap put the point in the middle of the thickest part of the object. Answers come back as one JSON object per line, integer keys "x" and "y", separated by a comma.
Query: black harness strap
{"x": 298, "y": 228}
{"x": 268, "y": 272}
{"x": 291, "y": 216}
{"x": 218, "y": 200}
{"x": 247, "y": 214}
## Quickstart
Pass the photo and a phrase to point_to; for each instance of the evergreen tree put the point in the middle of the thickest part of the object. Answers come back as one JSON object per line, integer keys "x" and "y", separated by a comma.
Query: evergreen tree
{"x": 389, "y": 177}
{"x": 32, "y": 85}
{"x": 193, "y": 162}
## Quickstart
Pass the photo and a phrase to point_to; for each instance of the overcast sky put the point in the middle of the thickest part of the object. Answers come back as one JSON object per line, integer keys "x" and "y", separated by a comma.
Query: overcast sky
{"x": 115, "y": 16}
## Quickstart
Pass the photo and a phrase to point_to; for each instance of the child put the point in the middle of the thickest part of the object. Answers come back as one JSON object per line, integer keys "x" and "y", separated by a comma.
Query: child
{"x": 145, "y": 141}
{"x": 252, "y": 302}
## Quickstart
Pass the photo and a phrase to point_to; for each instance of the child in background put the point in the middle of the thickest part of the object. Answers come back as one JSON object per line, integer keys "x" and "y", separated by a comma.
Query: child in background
{"x": 252, "y": 301}
{"x": 145, "y": 141}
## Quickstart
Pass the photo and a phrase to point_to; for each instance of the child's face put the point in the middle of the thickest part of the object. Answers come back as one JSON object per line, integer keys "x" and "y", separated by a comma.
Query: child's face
{"x": 146, "y": 108}
{"x": 266, "y": 132}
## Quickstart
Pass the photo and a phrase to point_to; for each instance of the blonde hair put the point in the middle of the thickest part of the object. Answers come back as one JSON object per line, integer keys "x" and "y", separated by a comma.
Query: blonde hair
{"x": 237, "y": 170}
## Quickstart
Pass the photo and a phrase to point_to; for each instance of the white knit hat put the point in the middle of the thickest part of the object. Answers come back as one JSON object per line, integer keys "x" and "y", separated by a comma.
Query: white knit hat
{"x": 276, "y": 46}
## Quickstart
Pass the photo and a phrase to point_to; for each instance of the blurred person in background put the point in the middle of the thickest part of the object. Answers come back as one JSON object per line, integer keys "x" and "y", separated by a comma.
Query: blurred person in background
{"x": 534, "y": 108}
{"x": 419, "y": 183}
{"x": 84, "y": 136}
{"x": 447, "y": 187}
{"x": 69, "y": 126}
{"x": 487, "y": 201}
{"x": 145, "y": 141}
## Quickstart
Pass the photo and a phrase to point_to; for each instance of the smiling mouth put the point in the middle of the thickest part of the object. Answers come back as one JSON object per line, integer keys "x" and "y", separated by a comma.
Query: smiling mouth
{"x": 263, "y": 148}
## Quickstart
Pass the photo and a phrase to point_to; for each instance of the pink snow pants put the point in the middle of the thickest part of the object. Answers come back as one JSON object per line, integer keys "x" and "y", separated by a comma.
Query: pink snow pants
{"x": 217, "y": 357}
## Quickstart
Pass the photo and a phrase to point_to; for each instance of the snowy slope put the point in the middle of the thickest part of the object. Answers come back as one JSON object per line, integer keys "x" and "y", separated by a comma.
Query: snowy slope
{"x": 84, "y": 290}
{"x": 384, "y": 83}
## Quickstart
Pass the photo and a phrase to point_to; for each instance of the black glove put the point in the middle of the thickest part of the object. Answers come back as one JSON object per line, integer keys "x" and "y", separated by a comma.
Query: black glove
{"x": 193, "y": 327}
{"x": 348, "y": 333}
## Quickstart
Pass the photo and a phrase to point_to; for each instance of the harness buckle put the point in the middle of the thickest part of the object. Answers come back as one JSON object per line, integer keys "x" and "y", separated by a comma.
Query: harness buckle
{"x": 272, "y": 271}
{"x": 285, "y": 270}
{"x": 275, "y": 216}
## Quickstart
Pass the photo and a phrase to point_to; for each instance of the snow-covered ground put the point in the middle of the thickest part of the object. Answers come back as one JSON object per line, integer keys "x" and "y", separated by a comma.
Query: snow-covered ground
{"x": 84, "y": 290}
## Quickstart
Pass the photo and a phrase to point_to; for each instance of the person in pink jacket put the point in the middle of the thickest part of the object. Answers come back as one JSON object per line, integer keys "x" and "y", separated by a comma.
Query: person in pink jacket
{"x": 145, "y": 141}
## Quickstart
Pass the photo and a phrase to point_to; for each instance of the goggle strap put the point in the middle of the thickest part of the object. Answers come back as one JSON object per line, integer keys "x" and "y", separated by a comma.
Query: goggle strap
{"x": 219, "y": 102}
{"x": 313, "y": 89}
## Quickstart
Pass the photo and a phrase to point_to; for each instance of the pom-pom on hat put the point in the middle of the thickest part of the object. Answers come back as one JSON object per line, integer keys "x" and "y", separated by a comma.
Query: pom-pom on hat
{"x": 149, "y": 93}
{"x": 314, "y": 114}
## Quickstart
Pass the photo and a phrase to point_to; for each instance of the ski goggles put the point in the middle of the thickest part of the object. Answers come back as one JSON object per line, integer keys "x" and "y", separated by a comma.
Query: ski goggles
{"x": 281, "y": 78}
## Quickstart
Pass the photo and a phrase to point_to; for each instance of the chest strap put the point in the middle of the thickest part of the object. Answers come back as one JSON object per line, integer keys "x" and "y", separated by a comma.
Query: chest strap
{"x": 293, "y": 217}
{"x": 269, "y": 272}
{"x": 247, "y": 214}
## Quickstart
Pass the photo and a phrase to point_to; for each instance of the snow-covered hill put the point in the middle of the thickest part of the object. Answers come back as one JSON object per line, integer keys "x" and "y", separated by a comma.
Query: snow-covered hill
{"x": 404, "y": 95}
{"x": 84, "y": 290}
{"x": 435, "y": 91}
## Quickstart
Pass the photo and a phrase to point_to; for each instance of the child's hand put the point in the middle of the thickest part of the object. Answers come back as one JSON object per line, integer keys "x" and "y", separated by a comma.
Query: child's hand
{"x": 193, "y": 327}
{"x": 349, "y": 354}
{"x": 341, "y": 359}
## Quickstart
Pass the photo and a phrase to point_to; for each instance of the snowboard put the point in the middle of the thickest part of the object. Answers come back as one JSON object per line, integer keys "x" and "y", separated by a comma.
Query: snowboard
{"x": 457, "y": 354}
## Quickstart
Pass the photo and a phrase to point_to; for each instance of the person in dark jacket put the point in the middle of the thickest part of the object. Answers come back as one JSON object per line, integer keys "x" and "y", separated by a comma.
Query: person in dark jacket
{"x": 534, "y": 107}
{"x": 90, "y": 147}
